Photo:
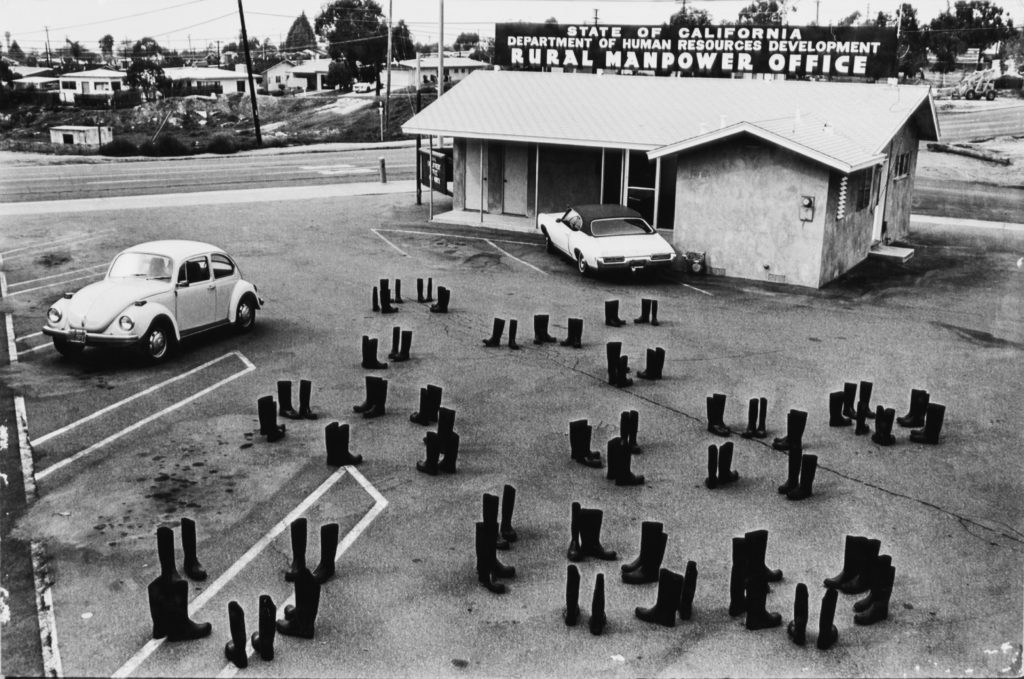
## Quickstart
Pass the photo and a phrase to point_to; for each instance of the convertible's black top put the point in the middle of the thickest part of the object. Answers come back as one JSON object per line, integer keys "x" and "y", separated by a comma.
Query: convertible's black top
{"x": 604, "y": 211}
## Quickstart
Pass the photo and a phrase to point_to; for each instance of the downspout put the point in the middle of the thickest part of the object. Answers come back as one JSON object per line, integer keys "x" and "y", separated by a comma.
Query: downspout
{"x": 601, "y": 194}
{"x": 536, "y": 187}
{"x": 483, "y": 145}
{"x": 657, "y": 189}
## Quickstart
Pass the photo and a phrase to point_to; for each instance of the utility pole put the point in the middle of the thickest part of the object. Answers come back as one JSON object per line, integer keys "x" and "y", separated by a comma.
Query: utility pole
{"x": 387, "y": 90}
{"x": 595, "y": 12}
{"x": 252, "y": 86}
{"x": 49, "y": 61}
{"x": 817, "y": 12}
{"x": 440, "y": 53}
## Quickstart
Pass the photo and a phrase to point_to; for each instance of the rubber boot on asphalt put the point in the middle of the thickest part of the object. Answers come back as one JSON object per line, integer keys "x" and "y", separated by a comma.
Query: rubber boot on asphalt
{"x": 168, "y": 605}
{"x": 449, "y": 454}
{"x": 376, "y": 299}
{"x": 738, "y": 578}
{"x": 429, "y": 465}
{"x": 575, "y": 552}
{"x": 508, "y": 506}
{"x": 919, "y": 399}
{"x": 368, "y": 402}
{"x": 496, "y": 331}
{"x": 654, "y": 312}
{"x": 444, "y": 297}
{"x": 655, "y": 364}
{"x": 757, "y": 551}
{"x": 796, "y": 423}
{"x": 284, "y": 400}
{"x": 793, "y": 477}
{"x": 649, "y": 530}
{"x": 370, "y": 361}
{"x": 329, "y": 533}
{"x": 670, "y": 591}
{"x": 827, "y": 632}
{"x": 645, "y": 312}
{"x": 711, "y": 481}
{"x": 876, "y": 579}
{"x": 883, "y": 427}
{"x": 878, "y": 609}
{"x": 513, "y": 328}
{"x": 862, "y": 416}
{"x": 298, "y": 536}
{"x": 430, "y": 291}
{"x": 234, "y": 650}
{"x": 726, "y": 474}
{"x": 398, "y": 292}
{"x": 572, "y": 595}
{"x": 751, "y": 419}
{"x": 396, "y": 339}
{"x": 758, "y": 616}
{"x": 380, "y": 399}
{"x": 808, "y": 468}
{"x": 540, "y": 329}
{"x": 852, "y": 551}
{"x": 268, "y": 419}
{"x": 861, "y": 581}
{"x": 419, "y": 291}
{"x": 262, "y": 639}
{"x": 193, "y": 569}
{"x": 336, "y": 437}
{"x": 685, "y": 607}
{"x": 849, "y": 395}
{"x": 797, "y": 627}
{"x": 716, "y": 415}
{"x": 865, "y": 397}
{"x": 165, "y": 554}
{"x": 935, "y": 413}
{"x": 490, "y": 516}
{"x": 300, "y": 619}
{"x": 611, "y": 313}
{"x": 598, "y": 619}
{"x": 305, "y": 392}
{"x": 835, "y": 410}
{"x": 590, "y": 535}
{"x": 579, "y": 445}
{"x": 651, "y": 561}
{"x": 762, "y": 406}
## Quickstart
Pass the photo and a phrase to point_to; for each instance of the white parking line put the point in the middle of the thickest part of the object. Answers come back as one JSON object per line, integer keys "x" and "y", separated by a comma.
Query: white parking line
{"x": 516, "y": 258}
{"x": 379, "y": 503}
{"x": 50, "y": 285}
{"x": 704, "y": 292}
{"x": 3, "y": 285}
{"x": 58, "y": 275}
{"x": 67, "y": 240}
{"x": 141, "y": 423}
{"x": 38, "y": 347}
{"x": 458, "y": 235}
{"x": 28, "y": 336}
{"x": 400, "y": 251}
{"x": 12, "y": 350}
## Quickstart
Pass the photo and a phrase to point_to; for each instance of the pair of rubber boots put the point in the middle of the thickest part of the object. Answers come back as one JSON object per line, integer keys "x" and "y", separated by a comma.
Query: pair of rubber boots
{"x": 401, "y": 343}
{"x": 369, "y": 352}
{"x": 300, "y": 619}
{"x": 749, "y": 578}
{"x": 267, "y": 410}
{"x": 629, "y": 427}
{"x": 799, "y": 483}
{"x": 884, "y": 418}
{"x": 375, "y": 404}
{"x": 262, "y": 639}
{"x": 444, "y": 296}
{"x": 841, "y": 409}
{"x": 329, "y": 533}
{"x": 864, "y": 570}
{"x": 827, "y": 632}
{"x": 648, "y": 312}
{"x": 585, "y": 532}
{"x": 924, "y": 414}
{"x": 598, "y": 616}
{"x": 675, "y": 597}
{"x": 420, "y": 297}
{"x": 488, "y": 567}
{"x": 336, "y": 439}
{"x": 618, "y": 366}
{"x": 442, "y": 453}
{"x": 716, "y": 415}
{"x": 540, "y": 329}
{"x": 284, "y": 400}
{"x": 580, "y": 433}
{"x": 168, "y": 592}
{"x": 646, "y": 566}
{"x": 796, "y": 423}
{"x": 757, "y": 411}
{"x": 619, "y": 457}
{"x": 382, "y": 302}
{"x": 655, "y": 365}
{"x": 430, "y": 403}
{"x": 499, "y": 328}
{"x": 720, "y": 471}
{"x": 574, "y": 338}
{"x": 506, "y": 533}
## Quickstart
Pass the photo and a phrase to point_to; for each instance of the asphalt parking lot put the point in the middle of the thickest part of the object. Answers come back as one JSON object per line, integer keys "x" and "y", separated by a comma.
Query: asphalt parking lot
{"x": 120, "y": 449}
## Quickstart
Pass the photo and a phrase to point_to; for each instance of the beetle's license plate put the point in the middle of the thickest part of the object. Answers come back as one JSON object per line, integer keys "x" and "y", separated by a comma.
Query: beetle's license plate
{"x": 77, "y": 336}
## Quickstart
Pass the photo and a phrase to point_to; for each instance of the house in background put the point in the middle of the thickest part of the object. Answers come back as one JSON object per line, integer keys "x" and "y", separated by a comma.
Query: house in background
{"x": 199, "y": 80}
{"x": 312, "y": 75}
{"x": 280, "y": 77}
{"x": 100, "y": 81}
{"x": 423, "y": 70}
{"x": 38, "y": 82}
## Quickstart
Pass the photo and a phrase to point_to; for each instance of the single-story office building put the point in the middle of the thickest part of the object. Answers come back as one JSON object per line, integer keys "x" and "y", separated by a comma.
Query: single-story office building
{"x": 787, "y": 181}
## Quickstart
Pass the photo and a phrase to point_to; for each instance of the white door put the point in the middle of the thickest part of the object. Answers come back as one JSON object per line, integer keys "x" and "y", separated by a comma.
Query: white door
{"x": 196, "y": 296}
{"x": 476, "y": 173}
{"x": 514, "y": 197}
{"x": 882, "y": 177}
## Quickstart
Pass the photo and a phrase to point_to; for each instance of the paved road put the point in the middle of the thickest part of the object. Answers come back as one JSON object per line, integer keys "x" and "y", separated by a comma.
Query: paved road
{"x": 968, "y": 200}
{"x": 981, "y": 120}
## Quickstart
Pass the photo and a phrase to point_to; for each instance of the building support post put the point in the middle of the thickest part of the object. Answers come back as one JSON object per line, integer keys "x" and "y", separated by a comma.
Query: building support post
{"x": 430, "y": 210}
{"x": 536, "y": 187}
{"x": 600, "y": 195}
{"x": 657, "y": 189}
{"x": 483, "y": 148}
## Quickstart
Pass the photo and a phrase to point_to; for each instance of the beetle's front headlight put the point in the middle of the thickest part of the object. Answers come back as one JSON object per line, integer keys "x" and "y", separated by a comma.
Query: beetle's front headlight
{"x": 53, "y": 315}
{"x": 126, "y": 323}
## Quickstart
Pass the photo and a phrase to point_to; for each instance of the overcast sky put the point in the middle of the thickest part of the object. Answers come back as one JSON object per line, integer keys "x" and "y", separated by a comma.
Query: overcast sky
{"x": 178, "y": 23}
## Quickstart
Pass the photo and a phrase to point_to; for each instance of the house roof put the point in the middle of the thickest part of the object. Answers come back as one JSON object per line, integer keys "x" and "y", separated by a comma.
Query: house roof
{"x": 27, "y": 71}
{"x": 95, "y": 74}
{"x": 35, "y": 80}
{"x": 197, "y": 73}
{"x": 449, "y": 62}
{"x": 313, "y": 66}
{"x": 844, "y": 125}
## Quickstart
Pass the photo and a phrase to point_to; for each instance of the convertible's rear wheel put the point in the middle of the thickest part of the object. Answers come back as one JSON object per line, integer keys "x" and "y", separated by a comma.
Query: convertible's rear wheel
{"x": 245, "y": 314}
{"x": 67, "y": 349}
{"x": 581, "y": 264}
{"x": 156, "y": 344}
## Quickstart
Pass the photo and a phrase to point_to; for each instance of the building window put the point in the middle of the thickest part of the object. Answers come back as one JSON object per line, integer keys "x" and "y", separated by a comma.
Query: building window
{"x": 68, "y": 86}
{"x": 864, "y": 191}
{"x": 901, "y": 166}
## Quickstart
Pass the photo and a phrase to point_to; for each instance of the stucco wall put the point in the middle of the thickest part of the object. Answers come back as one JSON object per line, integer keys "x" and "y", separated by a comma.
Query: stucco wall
{"x": 847, "y": 240}
{"x": 900, "y": 195}
{"x": 739, "y": 201}
{"x": 459, "y": 174}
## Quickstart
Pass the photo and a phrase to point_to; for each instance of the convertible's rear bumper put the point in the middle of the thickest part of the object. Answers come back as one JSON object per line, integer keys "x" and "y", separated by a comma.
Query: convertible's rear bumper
{"x": 634, "y": 263}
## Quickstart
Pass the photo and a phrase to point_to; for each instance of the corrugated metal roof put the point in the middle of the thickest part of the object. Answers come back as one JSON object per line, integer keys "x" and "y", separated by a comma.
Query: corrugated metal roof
{"x": 647, "y": 113}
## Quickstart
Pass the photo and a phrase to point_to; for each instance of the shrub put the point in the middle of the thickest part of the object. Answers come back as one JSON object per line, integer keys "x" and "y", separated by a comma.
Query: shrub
{"x": 119, "y": 148}
{"x": 221, "y": 143}
{"x": 165, "y": 146}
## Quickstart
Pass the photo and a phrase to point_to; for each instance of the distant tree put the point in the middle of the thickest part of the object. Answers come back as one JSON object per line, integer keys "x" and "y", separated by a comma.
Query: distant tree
{"x": 230, "y": 47}
{"x": 849, "y": 20}
{"x": 912, "y": 48}
{"x": 551, "y": 21}
{"x": 107, "y": 47}
{"x": 145, "y": 75}
{"x": 971, "y": 23}
{"x": 402, "y": 46}
{"x": 146, "y": 48}
{"x": 15, "y": 52}
{"x": 32, "y": 59}
{"x": 485, "y": 53}
{"x": 300, "y": 35}
{"x": 174, "y": 60}
{"x": 466, "y": 41}
{"x": 6, "y": 74}
{"x": 74, "y": 49}
{"x": 687, "y": 17}
{"x": 764, "y": 13}
{"x": 338, "y": 75}
{"x": 355, "y": 30}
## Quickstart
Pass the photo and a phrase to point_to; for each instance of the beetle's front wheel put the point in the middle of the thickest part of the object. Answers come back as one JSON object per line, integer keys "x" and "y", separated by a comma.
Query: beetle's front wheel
{"x": 156, "y": 344}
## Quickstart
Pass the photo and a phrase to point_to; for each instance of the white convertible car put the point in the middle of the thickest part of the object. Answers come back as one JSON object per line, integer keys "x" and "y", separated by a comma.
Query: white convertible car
{"x": 153, "y": 295}
{"x": 602, "y": 237}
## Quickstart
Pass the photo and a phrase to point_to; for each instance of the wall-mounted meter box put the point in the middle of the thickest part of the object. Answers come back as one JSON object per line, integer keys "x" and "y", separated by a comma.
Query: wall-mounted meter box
{"x": 806, "y": 208}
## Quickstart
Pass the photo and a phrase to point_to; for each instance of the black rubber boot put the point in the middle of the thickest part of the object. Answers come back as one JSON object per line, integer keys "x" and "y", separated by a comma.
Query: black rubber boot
{"x": 370, "y": 361}
{"x": 490, "y": 516}
{"x": 796, "y": 422}
{"x": 712, "y": 478}
{"x": 262, "y": 640}
{"x": 590, "y": 535}
{"x": 329, "y": 533}
{"x": 760, "y": 432}
{"x": 849, "y": 396}
{"x": 234, "y": 650}
{"x": 495, "y": 339}
{"x": 757, "y": 551}
{"x": 445, "y": 425}
{"x": 598, "y": 619}
{"x": 385, "y": 297}
{"x": 624, "y": 477}
{"x": 305, "y": 391}
{"x": 300, "y": 620}
{"x": 861, "y": 581}
{"x": 168, "y": 606}
{"x": 808, "y": 468}
{"x": 670, "y": 591}
{"x": 193, "y": 569}
{"x": 648, "y": 569}
{"x": 621, "y": 381}
{"x": 852, "y": 557}
{"x": 376, "y": 301}
{"x": 634, "y": 430}
{"x": 398, "y": 292}
{"x": 865, "y": 397}
{"x": 645, "y": 312}
{"x": 540, "y": 329}
{"x": 835, "y": 410}
{"x": 738, "y": 578}
{"x": 165, "y": 553}
{"x": 513, "y": 328}
{"x": 579, "y": 445}
{"x": 449, "y": 454}
{"x": 689, "y": 591}
{"x": 726, "y": 474}
{"x": 371, "y": 380}
{"x": 429, "y": 465}
{"x": 758, "y": 617}
{"x": 827, "y": 632}
{"x": 396, "y": 339}
{"x": 614, "y": 351}
{"x": 268, "y": 419}
{"x": 793, "y": 477}
{"x": 419, "y": 291}
{"x": 862, "y": 416}
{"x": 716, "y": 415}
{"x": 876, "y": 579}
{"x": 575, "y": 552}
{"x": 797, "y": 628}
{"x": 298, "y": 535}
{"x": 430, "y": 401}
{"x": 883, "y": 427}
{"x": 934, "y": 415}
{"x": 654, "y": 312}
{"x": 486, "y": 558}
{"x": 611, "y": 313}
{"x": 919, "y": 399}
{"x": 655, "y": 363}
{"x": 878, "y": 609}
{"x": 572, "y": 595}
{"x": 751, "y": 419}
{"x": 649, "y": 530}
{"x": 284, "y": 400}
{"x": 430, "y": 291}
{"x": 444, "y": 297}
{"x": 406, "y": 345}
{"x": 508, "y": 506}
{"x": 574, "y": 336}
{"x": 380, "y": 399}
{"x": 336, "y": 438}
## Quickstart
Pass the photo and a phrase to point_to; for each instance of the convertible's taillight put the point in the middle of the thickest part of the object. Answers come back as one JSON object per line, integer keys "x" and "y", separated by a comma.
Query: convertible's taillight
{"x": 660, "y": 257}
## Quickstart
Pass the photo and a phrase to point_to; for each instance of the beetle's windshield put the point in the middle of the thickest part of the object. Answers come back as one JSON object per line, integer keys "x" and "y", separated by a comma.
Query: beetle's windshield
{"x": 141, "y": 265}
{"x": 620, "y": 226}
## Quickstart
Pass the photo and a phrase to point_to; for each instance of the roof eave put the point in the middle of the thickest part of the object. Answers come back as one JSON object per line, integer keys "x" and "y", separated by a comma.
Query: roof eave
{"x": 525, "y": 139}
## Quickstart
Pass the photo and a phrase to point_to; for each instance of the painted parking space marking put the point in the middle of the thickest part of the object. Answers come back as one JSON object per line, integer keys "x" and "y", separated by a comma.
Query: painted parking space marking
{"x": 56, "y": 283}
{"x": 703, "y": 292}
{"x": 492, "y": 244}
{"x": 380, "y": 502}
{"x": 12, "y": 349}
{"x": 249, "y": 367}
{"x": 458, "y": 235}
{"x": 3, "y": 284}
{"x": 400, "y": 250}
{"x": 67, "y": 240}
{"x": 91, "y": 269}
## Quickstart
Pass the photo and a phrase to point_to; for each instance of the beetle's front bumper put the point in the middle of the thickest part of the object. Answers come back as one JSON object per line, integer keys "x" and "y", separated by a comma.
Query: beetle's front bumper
{"x": 90, "y": 338}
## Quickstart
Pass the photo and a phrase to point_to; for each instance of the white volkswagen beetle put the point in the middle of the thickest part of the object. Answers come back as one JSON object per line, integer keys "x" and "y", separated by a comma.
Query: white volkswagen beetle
{"x": 605, "y": 236}
{"x": 154, "y": 294}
